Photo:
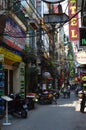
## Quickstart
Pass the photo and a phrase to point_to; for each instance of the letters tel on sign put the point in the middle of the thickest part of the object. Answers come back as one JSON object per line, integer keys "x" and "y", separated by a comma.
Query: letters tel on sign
{"x": 82, "y": 36}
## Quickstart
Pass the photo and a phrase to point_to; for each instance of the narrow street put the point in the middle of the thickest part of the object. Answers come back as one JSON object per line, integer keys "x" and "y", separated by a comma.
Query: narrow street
{"x": 63, "y": 116}
{"x": 42, "y": 48}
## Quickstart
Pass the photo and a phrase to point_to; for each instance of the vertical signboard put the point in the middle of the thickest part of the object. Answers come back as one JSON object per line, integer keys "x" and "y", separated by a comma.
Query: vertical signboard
{"x": 1, "y": 75}
{"x": 22, "y": 80}
{"x": 73, "y": 23}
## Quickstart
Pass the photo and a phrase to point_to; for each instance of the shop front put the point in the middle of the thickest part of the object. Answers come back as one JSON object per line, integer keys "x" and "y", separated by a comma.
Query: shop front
{"x": 11, "y": 73}
{"x": 12, "y": 68}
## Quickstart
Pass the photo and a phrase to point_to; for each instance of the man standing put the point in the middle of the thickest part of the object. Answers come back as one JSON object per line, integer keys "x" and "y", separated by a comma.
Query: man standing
{"x": 82, "y": 106}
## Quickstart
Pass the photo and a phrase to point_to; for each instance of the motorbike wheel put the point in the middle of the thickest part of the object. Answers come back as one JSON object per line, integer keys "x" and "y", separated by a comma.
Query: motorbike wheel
{"x": 24, "y": 114}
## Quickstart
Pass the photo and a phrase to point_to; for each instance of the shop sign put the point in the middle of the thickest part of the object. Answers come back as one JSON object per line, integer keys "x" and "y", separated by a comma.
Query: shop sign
{"x": 82, "y": 34}
{"x": 1, "y": 79}
{"x": 9, "y": 55}
{"x": 55, "y": 18}
{"x": 81, "y": 57}
{"x": 14, "y": 37}
{"x": 22, "y": 80}
{"x": 73, "y": 24}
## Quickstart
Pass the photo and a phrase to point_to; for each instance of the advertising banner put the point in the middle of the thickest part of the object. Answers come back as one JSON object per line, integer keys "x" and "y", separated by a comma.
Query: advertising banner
{"x": 14, "y": 36}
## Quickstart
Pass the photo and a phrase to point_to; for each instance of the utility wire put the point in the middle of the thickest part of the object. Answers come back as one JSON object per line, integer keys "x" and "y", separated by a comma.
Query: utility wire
{"x": 47, "y": 31}
{"x": 6, "y": 33}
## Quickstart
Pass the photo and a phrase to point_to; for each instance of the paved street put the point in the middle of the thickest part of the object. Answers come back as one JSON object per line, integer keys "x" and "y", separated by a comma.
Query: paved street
{"x": 63, "y": 116}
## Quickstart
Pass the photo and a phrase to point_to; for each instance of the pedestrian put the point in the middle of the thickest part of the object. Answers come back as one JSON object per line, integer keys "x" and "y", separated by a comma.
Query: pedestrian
{"x": 82, "y": 105}
{"x": 78, "y": 88}
{"x": 65, "y": 92}
{"x": 68, "y": 91}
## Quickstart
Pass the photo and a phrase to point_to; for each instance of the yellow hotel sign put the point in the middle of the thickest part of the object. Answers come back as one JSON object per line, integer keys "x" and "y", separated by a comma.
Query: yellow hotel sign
{"x": 9, "y": 55}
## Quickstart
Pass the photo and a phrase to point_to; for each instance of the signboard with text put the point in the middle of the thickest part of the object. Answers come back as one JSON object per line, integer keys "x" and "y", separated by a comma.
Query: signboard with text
{"x": 14, "y": 37}
{"x": 73, "y": 24}
{"x": 82, "y": 35}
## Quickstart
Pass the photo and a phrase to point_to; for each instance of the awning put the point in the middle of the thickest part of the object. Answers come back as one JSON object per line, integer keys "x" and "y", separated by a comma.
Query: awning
{"x": 10, "y": 57}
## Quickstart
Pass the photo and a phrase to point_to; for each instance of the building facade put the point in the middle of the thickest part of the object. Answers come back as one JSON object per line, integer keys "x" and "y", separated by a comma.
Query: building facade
{"x": 12, "y": 41}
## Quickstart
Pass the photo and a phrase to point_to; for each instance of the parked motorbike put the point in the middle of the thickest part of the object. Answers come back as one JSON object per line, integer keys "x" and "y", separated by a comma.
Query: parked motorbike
{"x": 30, "y": 99}
{"x": 17, "y": 106}
{"x": 55, "y": 94}
{"x": 45, "y": 97}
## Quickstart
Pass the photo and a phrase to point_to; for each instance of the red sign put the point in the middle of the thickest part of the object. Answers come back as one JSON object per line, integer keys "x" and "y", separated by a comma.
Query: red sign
{"x": 73, "y": 23}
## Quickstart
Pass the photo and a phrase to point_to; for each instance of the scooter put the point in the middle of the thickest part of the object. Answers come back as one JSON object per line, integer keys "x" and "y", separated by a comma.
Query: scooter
{"x": 18, "y": 106}
{"x": 45, "y": 97}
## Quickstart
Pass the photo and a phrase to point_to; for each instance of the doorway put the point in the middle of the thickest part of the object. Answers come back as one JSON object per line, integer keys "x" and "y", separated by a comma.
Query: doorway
{"x": 8, "y": 81}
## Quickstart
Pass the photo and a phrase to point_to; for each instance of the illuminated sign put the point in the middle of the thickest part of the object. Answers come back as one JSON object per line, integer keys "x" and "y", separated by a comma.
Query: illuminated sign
{"x": 73, "y": 24}
{"x": 82, "y": 34}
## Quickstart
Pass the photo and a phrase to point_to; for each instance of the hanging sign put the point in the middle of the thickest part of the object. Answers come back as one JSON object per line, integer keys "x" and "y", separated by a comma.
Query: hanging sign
{"x": 73, "y": 24}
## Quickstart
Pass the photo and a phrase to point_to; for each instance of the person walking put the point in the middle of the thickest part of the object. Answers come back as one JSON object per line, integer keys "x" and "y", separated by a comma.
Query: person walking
{"x": 82, "y": 105}
{"x": 68, "y": 91}
{"x": 65, "y": 92}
